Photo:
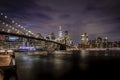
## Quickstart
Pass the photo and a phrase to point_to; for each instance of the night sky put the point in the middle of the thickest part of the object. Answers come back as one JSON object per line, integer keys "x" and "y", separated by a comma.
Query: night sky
{"x": 96, "y": 17}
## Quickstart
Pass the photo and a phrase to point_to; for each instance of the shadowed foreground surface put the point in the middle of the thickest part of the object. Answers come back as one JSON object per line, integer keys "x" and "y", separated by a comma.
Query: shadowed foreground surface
{"x": 75, "y": 66}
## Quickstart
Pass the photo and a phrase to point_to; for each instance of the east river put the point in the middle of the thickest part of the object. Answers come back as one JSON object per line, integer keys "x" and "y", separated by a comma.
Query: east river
{"x": 74, "y": 65}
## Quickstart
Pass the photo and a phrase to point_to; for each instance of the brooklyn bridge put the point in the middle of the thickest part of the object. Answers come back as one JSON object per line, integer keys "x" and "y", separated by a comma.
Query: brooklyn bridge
{"x": 13, "y": 35}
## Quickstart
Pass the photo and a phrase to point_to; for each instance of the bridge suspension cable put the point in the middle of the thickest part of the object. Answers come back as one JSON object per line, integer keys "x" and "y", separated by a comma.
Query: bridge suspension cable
{"x": 13, "y": 27}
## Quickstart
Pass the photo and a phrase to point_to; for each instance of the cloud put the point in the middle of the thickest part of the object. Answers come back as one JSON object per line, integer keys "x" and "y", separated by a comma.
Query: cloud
{"x": 64, "y": 16}
{"x": 77, "y": 16}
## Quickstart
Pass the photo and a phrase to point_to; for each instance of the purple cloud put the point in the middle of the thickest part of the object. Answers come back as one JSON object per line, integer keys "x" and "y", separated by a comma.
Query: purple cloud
{"x": 96, "y": 17}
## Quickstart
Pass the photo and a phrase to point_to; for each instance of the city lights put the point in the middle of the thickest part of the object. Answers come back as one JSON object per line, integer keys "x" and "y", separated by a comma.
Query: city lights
{"x": 6, "y": 25}
{"x": 23, "y": 28}
{"x": 18, "y": 25}
{"x": 13, "y": 21}
{"x": 10, "y": 26}
{"x": 13, "y": 28}
{"x": 3, "y": 23}
{"x": 8, "y": 30}
{"x": 63, "y": 36}
{"x": 5, "y": 16}
{"x": 1, "y": 13}
{"x": 3, "y": 29}
{"x": 59, "y": 39}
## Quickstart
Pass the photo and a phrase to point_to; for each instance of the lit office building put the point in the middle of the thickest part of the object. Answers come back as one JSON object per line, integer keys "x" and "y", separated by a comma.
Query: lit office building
{"x": 105, "y": 42}
{"x": 67, "y": 39}
{"x": 84, "y": 40}
{"x": 60, "y": 32}
{"x": 98, "y": 42}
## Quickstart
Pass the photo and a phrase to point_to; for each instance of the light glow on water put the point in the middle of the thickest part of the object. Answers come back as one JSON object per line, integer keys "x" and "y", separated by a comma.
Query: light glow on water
{"x": 84, "y": 53}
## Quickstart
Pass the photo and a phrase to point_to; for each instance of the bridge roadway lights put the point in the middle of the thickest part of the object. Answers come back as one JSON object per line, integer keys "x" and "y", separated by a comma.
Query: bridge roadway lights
{"x": 62, "y": 47}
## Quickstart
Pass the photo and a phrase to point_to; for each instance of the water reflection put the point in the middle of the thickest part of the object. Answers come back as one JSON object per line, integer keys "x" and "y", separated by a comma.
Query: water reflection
{"x": 58, "y": 63}
{"x": 84, "y": 53}
{"x": 8, "y": 75}
{"x": 84, "y": 59}
{"x": 60, "y": 66}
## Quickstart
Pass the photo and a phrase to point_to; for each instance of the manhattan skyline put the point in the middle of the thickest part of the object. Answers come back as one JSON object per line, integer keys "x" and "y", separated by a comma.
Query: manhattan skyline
{"x": 96, "y": 17}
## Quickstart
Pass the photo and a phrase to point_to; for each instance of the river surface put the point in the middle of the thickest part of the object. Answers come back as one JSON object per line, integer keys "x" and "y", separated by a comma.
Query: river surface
{"x": 76, "y": 65}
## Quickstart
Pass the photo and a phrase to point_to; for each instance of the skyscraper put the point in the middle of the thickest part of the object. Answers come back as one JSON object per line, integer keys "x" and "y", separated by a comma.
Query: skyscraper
{"x": 106, "y": 41}
{"x": 60, "y": 32}
{"x": 84, "y": 40}
{"x": 67, "y": 39}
